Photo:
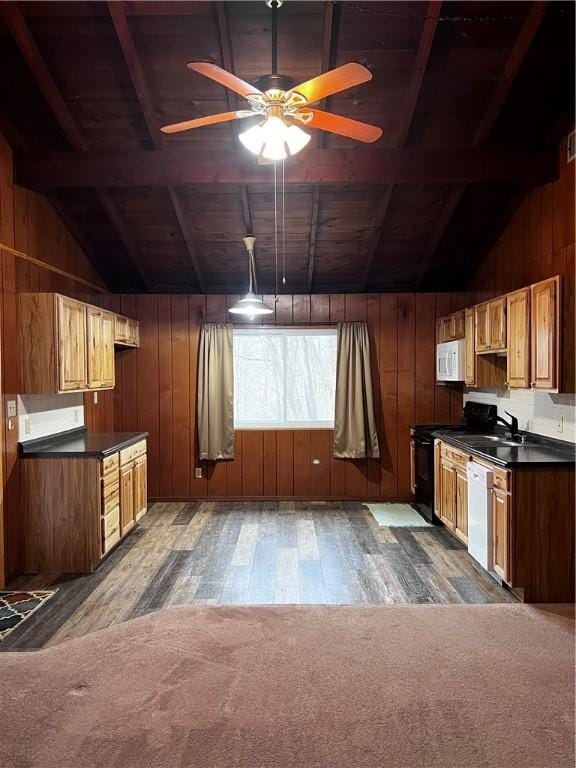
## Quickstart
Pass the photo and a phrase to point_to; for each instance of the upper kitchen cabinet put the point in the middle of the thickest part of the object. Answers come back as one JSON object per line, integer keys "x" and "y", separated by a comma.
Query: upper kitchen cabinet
{"x": 65, "y": 345}
{"x": 52, "y": 341}
{"x": 470, "y": 353}
{"x": 518, "y": 330}
{"x": 126, "y": 333}
{"x": 545, "y": 334}
{"x": 490, "y": 318}
{"x": 450, "y": 328}
{"x": 71, "y": 324}
{"x": 100, "y": 327}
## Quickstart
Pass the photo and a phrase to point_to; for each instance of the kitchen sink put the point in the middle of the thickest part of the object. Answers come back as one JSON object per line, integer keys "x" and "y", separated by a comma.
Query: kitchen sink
{"x": 495, "y": 440}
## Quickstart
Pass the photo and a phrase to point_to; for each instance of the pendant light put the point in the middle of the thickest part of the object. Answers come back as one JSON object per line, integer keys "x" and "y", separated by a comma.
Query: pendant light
{"x": 250, "y": 306}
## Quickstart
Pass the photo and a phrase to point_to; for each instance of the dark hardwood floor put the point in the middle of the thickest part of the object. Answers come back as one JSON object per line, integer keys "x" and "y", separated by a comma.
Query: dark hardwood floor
{"x": 249, "y": 553}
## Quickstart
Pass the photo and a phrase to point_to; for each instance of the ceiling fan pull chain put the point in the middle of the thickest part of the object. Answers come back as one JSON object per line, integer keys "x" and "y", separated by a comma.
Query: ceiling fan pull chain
{"x": 276, "y": 230}
{"x": 283, "y": 227}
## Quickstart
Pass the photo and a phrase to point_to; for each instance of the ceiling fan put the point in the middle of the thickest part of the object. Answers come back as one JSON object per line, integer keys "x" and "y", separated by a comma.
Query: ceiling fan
{"x": 284, "y": 105}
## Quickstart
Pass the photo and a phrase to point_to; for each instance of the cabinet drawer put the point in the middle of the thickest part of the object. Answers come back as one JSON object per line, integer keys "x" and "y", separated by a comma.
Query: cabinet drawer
{"x": 459, "y": 458}
{"x": 132, "y": 452}
{"x": 110, "y": 496}
{"x": 110, "y": 464}
{"x": 111, "y": 529}
{"x": 501, "y": 479}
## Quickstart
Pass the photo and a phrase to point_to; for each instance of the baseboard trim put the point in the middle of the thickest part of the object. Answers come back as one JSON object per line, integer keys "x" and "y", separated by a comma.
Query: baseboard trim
{"x": 239, "y": 499}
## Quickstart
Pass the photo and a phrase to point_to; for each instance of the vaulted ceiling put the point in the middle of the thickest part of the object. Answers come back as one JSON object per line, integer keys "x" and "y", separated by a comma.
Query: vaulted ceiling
{"x": 471, "y": 97}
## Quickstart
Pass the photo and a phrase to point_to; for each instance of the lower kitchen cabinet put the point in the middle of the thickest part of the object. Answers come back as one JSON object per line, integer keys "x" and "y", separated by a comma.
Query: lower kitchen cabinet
{"x": 452, "y": 490}
{"x": 77, "y": 509}
{"x": 501, "y": 533}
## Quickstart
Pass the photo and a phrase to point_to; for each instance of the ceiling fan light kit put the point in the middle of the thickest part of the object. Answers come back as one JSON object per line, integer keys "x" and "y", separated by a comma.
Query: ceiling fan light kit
{"x": 284, "y": 106}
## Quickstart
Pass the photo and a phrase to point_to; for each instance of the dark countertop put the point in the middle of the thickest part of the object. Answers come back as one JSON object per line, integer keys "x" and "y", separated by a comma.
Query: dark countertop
{"x": 79, "y": 444}
{"x": 542, "y": 453}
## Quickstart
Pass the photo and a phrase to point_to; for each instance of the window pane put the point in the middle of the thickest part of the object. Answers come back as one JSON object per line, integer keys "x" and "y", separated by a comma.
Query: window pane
{"x": 284, "y": 377}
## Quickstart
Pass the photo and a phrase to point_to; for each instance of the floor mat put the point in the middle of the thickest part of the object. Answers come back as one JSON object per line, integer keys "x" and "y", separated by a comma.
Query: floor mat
{"x": 16, "y": 607}
{"x": 397, "y": 516}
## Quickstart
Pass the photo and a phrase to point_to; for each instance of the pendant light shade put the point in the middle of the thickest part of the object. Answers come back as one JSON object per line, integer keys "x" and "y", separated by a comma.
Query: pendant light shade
{"x": 250, "y": 306}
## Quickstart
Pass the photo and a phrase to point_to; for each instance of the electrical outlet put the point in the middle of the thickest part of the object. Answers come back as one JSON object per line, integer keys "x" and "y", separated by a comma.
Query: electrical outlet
{"x": 198, "y": 473}
{"x": 560, "y": 425}
{"x": 27, "y": 427}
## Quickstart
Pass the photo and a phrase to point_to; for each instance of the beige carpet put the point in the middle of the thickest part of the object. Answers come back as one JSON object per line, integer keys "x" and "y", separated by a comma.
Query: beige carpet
{"x": 336, "y": 687}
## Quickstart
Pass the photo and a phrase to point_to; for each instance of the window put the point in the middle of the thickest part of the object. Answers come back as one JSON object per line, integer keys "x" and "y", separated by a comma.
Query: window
{"x": 284, "y": 377}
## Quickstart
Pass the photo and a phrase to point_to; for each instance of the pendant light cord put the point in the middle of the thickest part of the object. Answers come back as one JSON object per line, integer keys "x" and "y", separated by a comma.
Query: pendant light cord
{"x": 276, "y": 229}
{"x": 283, "y": 228}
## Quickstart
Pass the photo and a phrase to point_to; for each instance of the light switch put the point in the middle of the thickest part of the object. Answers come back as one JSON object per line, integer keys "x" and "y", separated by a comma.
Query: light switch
{"x": 11, "y": 409}
{"x": 198, "y": 473}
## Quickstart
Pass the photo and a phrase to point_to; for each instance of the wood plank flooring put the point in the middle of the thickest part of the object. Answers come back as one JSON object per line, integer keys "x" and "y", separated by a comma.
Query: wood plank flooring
{"x": 256, "y": 553}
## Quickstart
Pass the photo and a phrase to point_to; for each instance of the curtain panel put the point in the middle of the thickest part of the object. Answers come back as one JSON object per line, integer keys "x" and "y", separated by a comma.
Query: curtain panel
{"x": 355, "y": 433}
{"x": 215, "y": 394}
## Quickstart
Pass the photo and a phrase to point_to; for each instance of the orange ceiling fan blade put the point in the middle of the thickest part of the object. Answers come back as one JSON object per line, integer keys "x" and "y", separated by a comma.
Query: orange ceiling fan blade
{"x": 222, "y": 117}
{"x": 334, "y": 81}
{"x": 227, "y": 79}
{"x": 343, "y": 126}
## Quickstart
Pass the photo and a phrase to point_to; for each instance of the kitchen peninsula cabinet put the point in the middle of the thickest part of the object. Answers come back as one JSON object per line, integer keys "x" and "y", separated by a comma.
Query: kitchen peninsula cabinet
{"x": 81, "y": 496}
{"x": 531, "y": 518}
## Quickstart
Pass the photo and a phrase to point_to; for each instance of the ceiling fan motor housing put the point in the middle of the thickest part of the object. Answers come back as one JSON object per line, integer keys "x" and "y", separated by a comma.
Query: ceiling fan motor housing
{"x": 274, "y": 83}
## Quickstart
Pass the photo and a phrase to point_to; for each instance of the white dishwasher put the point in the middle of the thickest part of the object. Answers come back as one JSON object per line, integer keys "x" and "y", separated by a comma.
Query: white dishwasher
{"x": 480, "y": 513}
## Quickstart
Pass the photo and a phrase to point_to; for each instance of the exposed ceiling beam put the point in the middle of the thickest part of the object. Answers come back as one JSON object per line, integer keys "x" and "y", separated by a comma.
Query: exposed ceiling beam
{"x": 327, "y": 61}
{"x": 496, "y": 102}
{"x": 132, "y": 168}
{"x": 126, "y": 41}
{"x": 232, "y": 101}
{"x": 47, "y": 85}
{"x": 405, "y": 121}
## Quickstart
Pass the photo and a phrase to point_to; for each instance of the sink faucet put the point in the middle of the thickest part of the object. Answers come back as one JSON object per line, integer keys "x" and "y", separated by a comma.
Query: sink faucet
{"x": 512, "y": 426}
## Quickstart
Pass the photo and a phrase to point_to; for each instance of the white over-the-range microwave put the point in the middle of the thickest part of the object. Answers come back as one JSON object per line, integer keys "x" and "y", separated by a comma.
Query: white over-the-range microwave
{"x": 450, "y": 361}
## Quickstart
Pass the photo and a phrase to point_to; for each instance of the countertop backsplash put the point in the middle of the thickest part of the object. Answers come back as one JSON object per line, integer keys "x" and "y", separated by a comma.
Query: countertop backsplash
{"x": 44, "y": 415}
{"x": 540, "y": 412}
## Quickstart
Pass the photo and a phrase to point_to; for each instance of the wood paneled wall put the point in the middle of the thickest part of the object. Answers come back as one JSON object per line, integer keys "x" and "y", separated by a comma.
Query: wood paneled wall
{"x": 37, "y": 253}
{"x": 156, "y": 392}
{"x": 538, "y": 242}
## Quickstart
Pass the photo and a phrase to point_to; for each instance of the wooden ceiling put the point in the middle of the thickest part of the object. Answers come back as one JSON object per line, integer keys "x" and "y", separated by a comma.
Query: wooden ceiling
{"x": 470, "y": 97}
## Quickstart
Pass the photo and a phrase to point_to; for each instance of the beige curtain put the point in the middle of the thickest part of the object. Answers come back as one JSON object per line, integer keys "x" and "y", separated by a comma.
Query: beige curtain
{"x": 355, "y": 434}
{"x": 216, "y": 393}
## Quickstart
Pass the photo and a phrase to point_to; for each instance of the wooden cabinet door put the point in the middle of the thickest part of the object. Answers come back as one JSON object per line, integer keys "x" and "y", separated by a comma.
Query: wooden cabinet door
{"x": 120, "y": 328}
{"x": 447, "y": 494}
{"x": 412, "y": 467}
{"x": 470, "y": 352}
{"x": 133, "y": 334}
{"x": 437, "y": 477}
{"x": 501, "y": 533}
{"x": 72, "y": 364}
{"x": 482, "y": 335}
{"x": 518, "y": 331}
{"x": 497, "y": 323}
{"x": 95, "y": 358}
{"x": 107, "y": 349}
{"x": 544, "y": 334}
{"x": 461, "y": 511}
{"x": 458, "y": 325}
{"x": 140, "y": 487}
{"x": 127, "y": 497}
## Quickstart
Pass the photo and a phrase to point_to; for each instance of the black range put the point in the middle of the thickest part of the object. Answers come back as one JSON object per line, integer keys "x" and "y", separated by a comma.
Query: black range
{"x": 79, "y": 443}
